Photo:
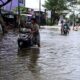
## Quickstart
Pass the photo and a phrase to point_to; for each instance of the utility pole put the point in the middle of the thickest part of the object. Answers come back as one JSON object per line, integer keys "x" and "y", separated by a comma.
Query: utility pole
{"x": 10, "y": 5}
{"x": 18, "y": 14}
{"x": 24, "y": 2}
{"x": 39, "y": 12}
{"x": 0, "y": 11}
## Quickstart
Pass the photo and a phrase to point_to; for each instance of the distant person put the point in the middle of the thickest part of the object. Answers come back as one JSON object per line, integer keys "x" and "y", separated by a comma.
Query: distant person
{"x": 66, "y": 23}
{"x": 77, "y": 25}
{"x": 62, "y": 23}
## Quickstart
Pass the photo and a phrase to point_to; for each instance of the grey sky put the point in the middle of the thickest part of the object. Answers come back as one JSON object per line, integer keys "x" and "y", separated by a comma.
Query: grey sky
{"x": 34, "y": 4}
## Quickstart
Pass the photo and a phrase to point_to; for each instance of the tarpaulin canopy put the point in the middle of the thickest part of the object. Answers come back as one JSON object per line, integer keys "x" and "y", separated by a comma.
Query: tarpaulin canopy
{"x": 2, "y": 3}
{"x": 12, "y": 4}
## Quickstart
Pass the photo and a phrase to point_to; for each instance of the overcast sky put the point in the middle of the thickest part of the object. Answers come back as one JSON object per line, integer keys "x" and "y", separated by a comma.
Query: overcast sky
{"x": 34, "y": 4}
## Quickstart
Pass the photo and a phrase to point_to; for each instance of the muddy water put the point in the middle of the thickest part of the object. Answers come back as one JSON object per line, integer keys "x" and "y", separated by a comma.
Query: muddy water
{"x": 57, "y": 59}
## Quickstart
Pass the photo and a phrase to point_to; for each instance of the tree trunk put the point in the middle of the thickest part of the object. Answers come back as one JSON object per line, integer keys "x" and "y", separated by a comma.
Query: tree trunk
{"x": 54, "y": 17}
{"x": 51, "y": 17}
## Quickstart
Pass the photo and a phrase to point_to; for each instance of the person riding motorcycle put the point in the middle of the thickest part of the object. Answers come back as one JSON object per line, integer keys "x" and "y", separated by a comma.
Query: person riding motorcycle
{"x": 64, "y": 26}
{"x": 35, "y": 32}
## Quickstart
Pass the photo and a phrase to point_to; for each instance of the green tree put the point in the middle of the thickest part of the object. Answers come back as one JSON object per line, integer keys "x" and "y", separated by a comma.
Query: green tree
{"x": 74, "y": 1}
{"x": 73, "y": 4}
{"x": 56, "y": 7}
{"x": 22, "y": 9}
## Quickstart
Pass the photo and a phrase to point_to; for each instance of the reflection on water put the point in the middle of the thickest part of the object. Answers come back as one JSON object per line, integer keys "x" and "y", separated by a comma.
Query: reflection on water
{"x": 31, "y": 55}
{"x": 57, "y": 59}
{"x": 14, "y": 64}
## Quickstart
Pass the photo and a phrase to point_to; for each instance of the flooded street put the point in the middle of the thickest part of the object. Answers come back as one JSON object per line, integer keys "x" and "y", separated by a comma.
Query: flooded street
{"x": 57, "y": 59}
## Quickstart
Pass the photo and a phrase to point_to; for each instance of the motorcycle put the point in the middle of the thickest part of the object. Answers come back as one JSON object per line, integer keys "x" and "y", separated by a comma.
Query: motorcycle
{"x": 24, "y": 38}
{"x": 65, "y": 29}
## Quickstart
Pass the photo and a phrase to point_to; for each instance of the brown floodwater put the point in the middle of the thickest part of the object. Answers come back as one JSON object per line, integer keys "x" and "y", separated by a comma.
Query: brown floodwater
{"x": 57, "y": 59}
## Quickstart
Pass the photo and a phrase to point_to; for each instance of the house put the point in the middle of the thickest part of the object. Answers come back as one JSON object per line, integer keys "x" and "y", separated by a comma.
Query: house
{"x": 41, "y": 17}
